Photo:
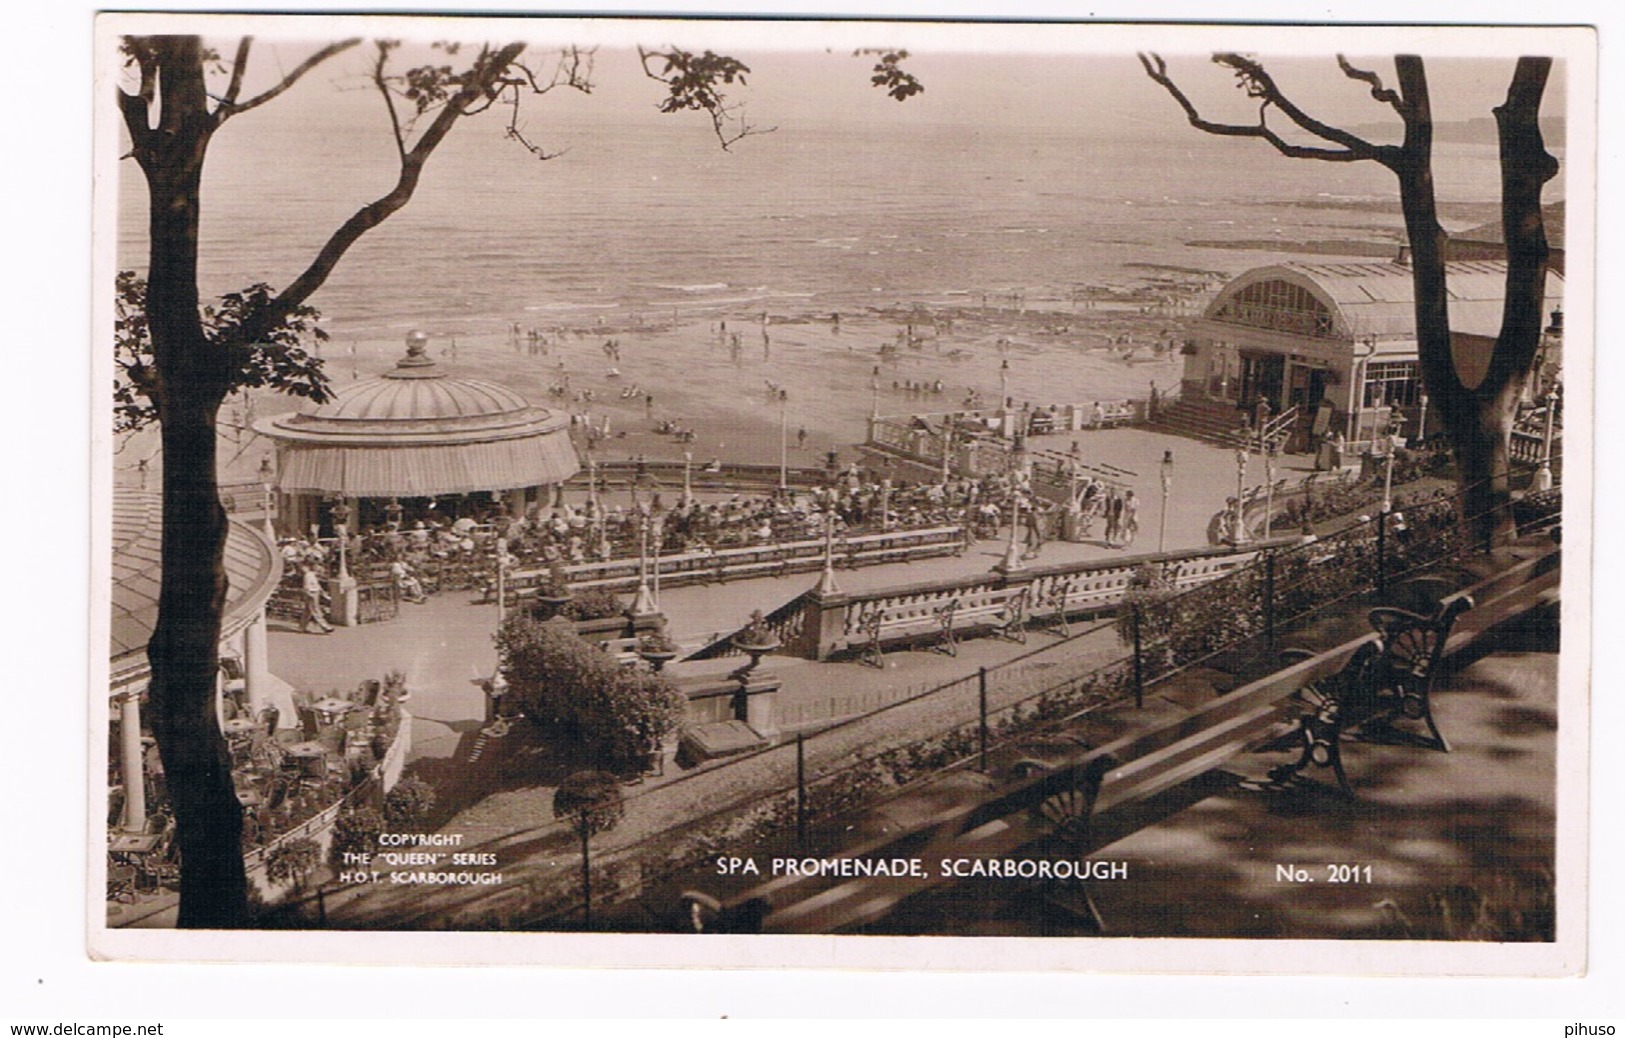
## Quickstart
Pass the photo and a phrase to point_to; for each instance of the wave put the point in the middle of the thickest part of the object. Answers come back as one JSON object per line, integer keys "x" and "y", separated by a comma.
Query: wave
{"x": 715, "y": 286}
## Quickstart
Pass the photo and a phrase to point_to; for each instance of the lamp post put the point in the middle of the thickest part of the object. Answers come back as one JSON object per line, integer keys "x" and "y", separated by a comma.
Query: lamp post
{"x": 643, "y": 603}
{"x": 267, "y": 477}
{"x": 1012, "y": 554}
{"x": 502, "y": 581}
{"x": 1422, "y": 420}
{"x": 1004, "y": 387}
{"x": 1167, "y": 488}
{"x": 784, "y": 443}
{"x": 688, "y": 487}
{"x": 1543, "y": 475}
{"x": 1239, "y": 531}
{"x": 341, "y": 529}
{"x": 885, "y": 505}
{"x": 826, "y": 583}
{"x": 660, "y": 538}
{"x": 1269, "y": 487}
{"x": 1388, "y": 474}
{"x": 874, "y": 393}
{"x": 947, "y": 450}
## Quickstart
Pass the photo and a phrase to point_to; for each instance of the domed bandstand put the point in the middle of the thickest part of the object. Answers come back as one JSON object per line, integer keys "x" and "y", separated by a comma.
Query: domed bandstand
{"x": 412, "y": 443}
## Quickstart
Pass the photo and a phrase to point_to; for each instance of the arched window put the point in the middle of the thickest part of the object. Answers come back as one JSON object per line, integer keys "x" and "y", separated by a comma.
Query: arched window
{"x": 1279, "y": 306}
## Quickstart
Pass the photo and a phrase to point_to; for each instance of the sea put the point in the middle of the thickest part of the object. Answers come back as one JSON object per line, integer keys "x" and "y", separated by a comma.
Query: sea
{"x": 656, "y": 219}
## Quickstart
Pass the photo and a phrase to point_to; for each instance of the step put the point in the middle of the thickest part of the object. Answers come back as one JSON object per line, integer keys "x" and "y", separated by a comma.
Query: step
{"x": 1191, "y": 756}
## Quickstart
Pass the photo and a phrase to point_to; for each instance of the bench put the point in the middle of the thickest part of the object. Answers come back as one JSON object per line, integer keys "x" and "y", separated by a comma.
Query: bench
{"x": 1003, "y": 610}
{"x": 1388, "y": 679}
{"x": 1112, "y": 414}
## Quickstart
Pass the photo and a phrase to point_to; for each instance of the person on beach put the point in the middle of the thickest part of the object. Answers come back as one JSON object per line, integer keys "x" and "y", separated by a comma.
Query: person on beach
{"x": 1129, "y": 524}
{"x": 801, "y": 438}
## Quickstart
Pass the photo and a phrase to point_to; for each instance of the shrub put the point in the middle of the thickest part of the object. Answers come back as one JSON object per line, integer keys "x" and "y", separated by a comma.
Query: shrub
{"x": 559, "y": 678}
{"x": 355, "y": 831}
{"x": 592, "y": 798}
{"x": 593, "y": 604}
{"x": 292, "y": 862}
{"x": 409, "y": 803}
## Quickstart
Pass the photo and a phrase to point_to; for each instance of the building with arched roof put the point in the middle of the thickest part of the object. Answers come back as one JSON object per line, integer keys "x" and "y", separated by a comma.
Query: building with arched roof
{"x": 418, "y": 435}
{"x": 1336, "y": 342}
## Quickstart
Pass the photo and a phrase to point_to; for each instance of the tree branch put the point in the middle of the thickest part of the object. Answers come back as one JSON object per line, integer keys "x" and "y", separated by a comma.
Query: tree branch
{"x": 239, "y": 66}
{"x": 1378, "y": 91}
{"x": 1354, "y": 150}
{"x": 482, "y": 78}
{"x": 693, "y": 83}
{"x": 136, "y": 108}
{"x": 227, "y": 109}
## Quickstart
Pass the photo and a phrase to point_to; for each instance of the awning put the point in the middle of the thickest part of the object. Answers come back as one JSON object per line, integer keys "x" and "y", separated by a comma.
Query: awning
{"x": 425, "y": 471}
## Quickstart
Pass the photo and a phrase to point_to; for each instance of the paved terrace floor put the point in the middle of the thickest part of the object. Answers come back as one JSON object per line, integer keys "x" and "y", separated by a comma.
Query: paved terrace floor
{"x": 444, "y": 644}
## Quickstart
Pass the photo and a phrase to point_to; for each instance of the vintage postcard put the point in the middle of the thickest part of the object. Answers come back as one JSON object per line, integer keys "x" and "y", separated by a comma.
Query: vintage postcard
{"x": 816, "y": 493}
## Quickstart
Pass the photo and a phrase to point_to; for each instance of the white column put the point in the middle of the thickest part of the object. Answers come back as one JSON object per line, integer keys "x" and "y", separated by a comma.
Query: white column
{"x": 256, "y": 665}
{"x": 135, "y": 779}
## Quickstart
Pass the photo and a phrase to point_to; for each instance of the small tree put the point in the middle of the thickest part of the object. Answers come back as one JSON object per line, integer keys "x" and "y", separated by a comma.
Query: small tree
{"x": 592, "y": 799}
{"x": 355, "y": 831}
{"x": 293, "y": 862}
{"x": 409, "y": 803}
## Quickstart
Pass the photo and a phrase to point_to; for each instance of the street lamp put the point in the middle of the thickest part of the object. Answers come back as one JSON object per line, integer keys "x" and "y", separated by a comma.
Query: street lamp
{"x": 643, "y": 603}
{"x": 502, "y": 581}
{"x": 1012, "y": 554}
{"x": 1543, "y": 475}
{"x": 874, "y": 393}
{"x": 1004, "y": 386}
{"x": 688, "y": 488}
{"x": 267, "y": 477}
{"x": 1167, "y": 488}
{"x": 826, "y": 583}
{"x": 1239, "y": 531}
{"x": 1422, "y": 420}
{"x": 1269, "y": 486}
{"x": 784, "y": 443}
{"x": 1388, "y": 465}
{"x": 660, "y": 539}
{"x": 341, "y": 528}
{"x": 885, "y": 505}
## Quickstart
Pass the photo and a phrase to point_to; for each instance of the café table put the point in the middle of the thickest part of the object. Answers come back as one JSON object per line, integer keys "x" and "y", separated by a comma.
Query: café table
{"x": 331, "y": 708}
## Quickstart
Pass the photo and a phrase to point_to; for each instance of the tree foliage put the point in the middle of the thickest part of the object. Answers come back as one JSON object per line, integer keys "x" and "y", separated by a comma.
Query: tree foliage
{"x": 592, "y": 799}
{"x": 563, "y": 680}
{"x": 279, "y": 361}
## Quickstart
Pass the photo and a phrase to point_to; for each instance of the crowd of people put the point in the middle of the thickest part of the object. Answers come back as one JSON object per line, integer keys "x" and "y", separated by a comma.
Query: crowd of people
{"x": 424, "y": 555}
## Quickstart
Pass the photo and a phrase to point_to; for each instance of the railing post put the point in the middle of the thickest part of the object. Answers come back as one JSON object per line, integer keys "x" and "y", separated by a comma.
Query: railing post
{"x": 1139, "y": 672}
{"x": 586, "y": 872}
{"x": 801, "y": 791}
{"x": 1269, "y": 600}
{"x": 981, "y": 712}
{"x": 1382, "y": 553}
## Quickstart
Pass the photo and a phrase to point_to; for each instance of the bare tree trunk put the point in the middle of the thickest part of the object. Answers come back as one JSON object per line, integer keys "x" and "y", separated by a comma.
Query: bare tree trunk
{"x": 184, "y": 653}
{"x": 191, "y": 381}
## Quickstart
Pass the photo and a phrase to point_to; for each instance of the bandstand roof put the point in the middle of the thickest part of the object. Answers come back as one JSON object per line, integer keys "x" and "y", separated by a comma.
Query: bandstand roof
{"x": 417, "y": 431}
{"x": 1376, "y": 300}
{"x": 253, "y": 568}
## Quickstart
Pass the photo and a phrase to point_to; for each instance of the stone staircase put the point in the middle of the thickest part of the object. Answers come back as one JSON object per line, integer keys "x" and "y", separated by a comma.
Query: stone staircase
{"x": 1200, "y": 419}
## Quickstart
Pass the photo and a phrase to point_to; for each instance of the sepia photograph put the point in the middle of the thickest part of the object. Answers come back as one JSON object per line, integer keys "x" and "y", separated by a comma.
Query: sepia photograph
{"x": 731, "y": 492}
